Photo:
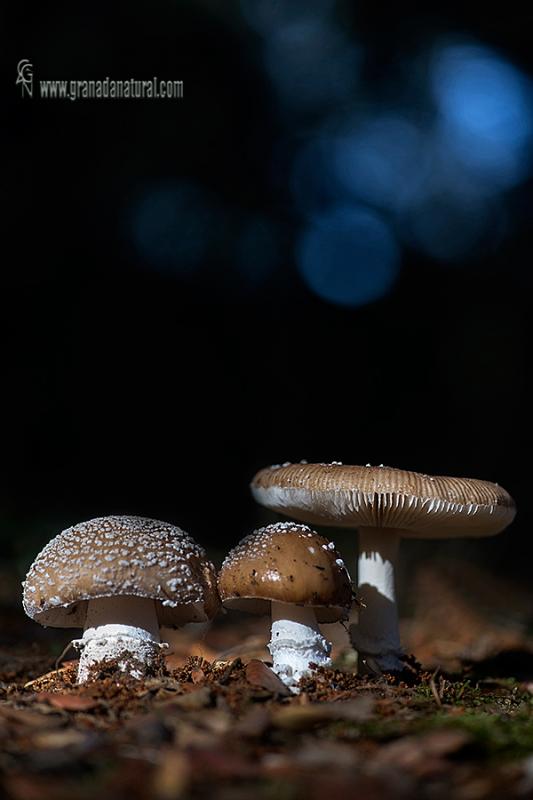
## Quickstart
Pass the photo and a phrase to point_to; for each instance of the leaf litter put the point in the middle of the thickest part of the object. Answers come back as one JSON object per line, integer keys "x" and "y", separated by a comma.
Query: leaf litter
{"x": 213, "y": 720}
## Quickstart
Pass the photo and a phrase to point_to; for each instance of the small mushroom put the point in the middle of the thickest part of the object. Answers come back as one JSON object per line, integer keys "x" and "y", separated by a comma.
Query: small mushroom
{"x": 385, "y": 504}
{"x": 291, "y": 572}
{"x": 120, "y": 579}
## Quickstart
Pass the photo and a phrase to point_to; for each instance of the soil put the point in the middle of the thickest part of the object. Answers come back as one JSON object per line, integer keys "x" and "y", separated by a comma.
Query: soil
{"x": 213, "y": 720}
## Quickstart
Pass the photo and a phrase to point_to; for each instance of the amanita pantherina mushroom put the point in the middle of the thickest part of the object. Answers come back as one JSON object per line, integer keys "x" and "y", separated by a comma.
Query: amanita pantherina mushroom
{"x": 385, "y": 504}
{"x": 291, "y": 572}
{"x": 120, "y": 578}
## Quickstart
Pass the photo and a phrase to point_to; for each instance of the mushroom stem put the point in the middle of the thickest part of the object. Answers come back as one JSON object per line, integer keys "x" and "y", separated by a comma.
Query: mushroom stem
{"x": 376, "y": 637}
{"x": 121, "y": 630}
{"x": 296, "y": 642}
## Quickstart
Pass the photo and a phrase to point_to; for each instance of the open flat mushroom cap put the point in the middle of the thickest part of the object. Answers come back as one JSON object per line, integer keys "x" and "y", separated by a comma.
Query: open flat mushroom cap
{"x": 352, "y": 496}
{"x": 288, "y": 563}
{"x": 121, "y": 556}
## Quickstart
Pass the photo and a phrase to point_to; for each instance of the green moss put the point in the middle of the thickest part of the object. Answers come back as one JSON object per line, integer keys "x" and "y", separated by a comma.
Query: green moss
{"x": 496, "y": 714}
{"x": 502, "y": 736}
{"x": 493, "y": 735}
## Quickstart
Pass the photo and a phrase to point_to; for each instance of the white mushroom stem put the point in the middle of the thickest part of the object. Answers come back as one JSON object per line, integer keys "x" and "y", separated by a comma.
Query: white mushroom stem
{"x": 376, "y": 637}
{"x": 296, "y": 642}
{"x": 123, "y": 630}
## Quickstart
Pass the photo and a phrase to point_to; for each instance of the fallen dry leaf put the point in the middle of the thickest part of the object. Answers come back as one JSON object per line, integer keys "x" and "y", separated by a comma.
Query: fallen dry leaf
{"x": 192, "y": 701}
{"x": 258, "y": 674}
{"x": 54, "y": 674}
{"x": 68, "y": 702}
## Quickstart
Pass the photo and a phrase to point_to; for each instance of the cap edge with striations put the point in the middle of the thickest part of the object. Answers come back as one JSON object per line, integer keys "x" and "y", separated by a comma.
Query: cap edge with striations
{"x": 365, "y": 496}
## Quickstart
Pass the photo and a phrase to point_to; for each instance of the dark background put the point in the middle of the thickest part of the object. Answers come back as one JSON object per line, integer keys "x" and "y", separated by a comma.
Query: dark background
{"x": 157, "y": 382}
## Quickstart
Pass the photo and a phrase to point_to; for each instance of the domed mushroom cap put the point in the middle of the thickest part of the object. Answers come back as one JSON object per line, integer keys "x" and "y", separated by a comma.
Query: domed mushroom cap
{"x": 126, "y": 556}
{"x": 288, "y": 563}
{"x": 352, "y": 496}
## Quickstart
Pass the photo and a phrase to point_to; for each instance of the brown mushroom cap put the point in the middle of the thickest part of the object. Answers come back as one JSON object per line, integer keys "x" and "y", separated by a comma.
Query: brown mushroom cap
{"x": 126, "y": 556}
{"x": 352, "y": 496}
{"x": 288, "y": 563}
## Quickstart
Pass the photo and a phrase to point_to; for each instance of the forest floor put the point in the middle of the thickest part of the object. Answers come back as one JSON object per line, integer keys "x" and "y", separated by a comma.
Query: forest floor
{"x": 215, "y": 722}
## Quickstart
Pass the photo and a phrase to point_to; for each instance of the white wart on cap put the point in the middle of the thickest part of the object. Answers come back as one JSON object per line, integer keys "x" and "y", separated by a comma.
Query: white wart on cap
{"x": 385, "y": 504}
{"x": 131, "y": 573}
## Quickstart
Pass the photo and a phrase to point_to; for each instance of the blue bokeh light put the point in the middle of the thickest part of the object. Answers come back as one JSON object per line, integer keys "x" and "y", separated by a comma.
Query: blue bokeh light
{"x": 348, "y": 256}
{"x": 173, "y": 225}
{"x": 383, "y": 161}
{"x": 486, "y": 111}
{"x": 454, "y": 226}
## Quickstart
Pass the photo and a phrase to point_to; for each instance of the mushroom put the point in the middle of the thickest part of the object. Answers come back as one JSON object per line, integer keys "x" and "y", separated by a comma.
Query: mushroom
{"x": 120, "y": 578}
{"x": 385, "y": 504}
{"x": 291, "y": 572}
